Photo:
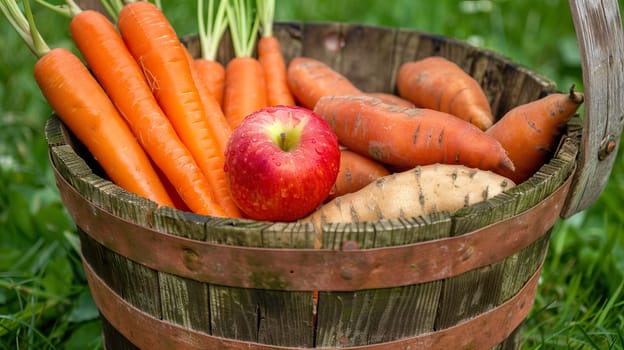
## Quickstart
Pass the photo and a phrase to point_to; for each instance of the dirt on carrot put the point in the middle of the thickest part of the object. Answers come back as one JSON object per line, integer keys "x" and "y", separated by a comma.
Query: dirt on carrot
{"x": 391, "y": 99}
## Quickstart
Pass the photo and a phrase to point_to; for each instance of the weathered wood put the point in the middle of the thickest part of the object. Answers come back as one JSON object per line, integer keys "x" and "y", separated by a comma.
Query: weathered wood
{"x": 112, "y": 339}
{"x": 379, "y": 315}
{"x": 601, "y": 42}
{"x": 468, "y": 295}
{"x": 135, "y": 282}
{"x": 182, "y": 300}
{"x": 266, "y": 316}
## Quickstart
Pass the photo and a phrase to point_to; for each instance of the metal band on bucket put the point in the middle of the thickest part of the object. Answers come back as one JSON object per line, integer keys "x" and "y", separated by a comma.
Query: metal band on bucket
{"x": 148, "y": 332}
{"x": 312, "y": 269}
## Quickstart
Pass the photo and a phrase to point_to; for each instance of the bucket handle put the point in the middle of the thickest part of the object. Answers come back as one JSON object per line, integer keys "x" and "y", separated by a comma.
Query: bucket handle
{"x": 600, "y": 37}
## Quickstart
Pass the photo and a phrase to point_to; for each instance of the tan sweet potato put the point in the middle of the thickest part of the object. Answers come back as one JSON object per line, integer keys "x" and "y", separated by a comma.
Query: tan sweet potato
{"x": 419, "y": 191}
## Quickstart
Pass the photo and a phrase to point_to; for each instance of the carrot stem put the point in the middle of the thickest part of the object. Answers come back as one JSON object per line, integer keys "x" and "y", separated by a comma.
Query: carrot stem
{"x": 25, "y": 26}
{"x": 68, "y": 9}
{"x": 266, "y": 10}
{"x": 112, "y": 7}
{"x": 210, "y": 33}
{"x": 240, "y": 14}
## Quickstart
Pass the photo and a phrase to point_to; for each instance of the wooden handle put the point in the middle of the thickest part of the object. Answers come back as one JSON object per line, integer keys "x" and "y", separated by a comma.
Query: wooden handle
{"x": 601, "y": 43}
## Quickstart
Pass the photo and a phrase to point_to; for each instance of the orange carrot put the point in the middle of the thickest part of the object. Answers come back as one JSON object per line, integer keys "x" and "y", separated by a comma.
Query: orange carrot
{"x": 221, "y": 128}
{"x": 355, "y": 172}
{"x": 310, "y": 79}
{"x": 245, "y": 88}
{"x": 244, "y": 91}
{"x": 406, "y": 137}
{"x": 83, "y": 106}
{"x": 177, "y": 200}
{"x": 437, "y": 83}
{"x": 391, "y": 99}
{"x": 123, "y": 80}
{"x": 154, "y": 44}
{"x": 210, "y": 70}
{"x": 272, "y": 59}
{"x": 529, "y": 131}
{"x": 213, "y": 76}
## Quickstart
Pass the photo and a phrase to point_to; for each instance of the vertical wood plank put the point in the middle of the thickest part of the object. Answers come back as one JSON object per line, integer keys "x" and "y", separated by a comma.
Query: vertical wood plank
{"x": 183, "y": 301}
{"x": 266, "y": 316}
{"x": 323, "y": 42}
{"x": 134, "y": 282}
{"x": 374, "y": 74}
{"x": 469, "y": 294}
{"x": 379, "y": 315}
{"x": 286, "y": 318}
{"x": 112, "y": 339}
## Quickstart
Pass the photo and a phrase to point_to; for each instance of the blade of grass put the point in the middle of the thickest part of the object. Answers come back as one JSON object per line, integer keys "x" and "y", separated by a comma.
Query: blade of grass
{"x": 24, "y": 318}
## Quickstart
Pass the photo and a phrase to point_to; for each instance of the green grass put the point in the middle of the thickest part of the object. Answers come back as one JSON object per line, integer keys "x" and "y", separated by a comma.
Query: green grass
{"x": 44, "y": 300}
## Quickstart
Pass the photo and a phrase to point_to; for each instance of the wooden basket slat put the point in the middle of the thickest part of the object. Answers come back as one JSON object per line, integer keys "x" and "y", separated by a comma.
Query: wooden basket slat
{"x": 193, "y": 296}
{"x": 369, "y": 72}
{"x": 342, "y": 319}
{"x": 288, "y": 235}
{"x": 519, "y": 267}
{"x": 275, "y": 317}
{"x": 350, "y": 319}
{"x": 112, "y": 339}
{"x": 251, "y": 314}
{"x": 135, "y": 282}
{"x": 469, "y": 294}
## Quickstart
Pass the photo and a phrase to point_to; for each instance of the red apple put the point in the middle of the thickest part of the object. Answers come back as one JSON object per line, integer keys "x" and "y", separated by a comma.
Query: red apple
{"x": 281, "y": 162}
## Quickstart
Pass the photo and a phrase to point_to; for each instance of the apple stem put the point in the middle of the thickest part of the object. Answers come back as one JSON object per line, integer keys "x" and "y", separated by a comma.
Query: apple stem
{"x": 283, "y": 140}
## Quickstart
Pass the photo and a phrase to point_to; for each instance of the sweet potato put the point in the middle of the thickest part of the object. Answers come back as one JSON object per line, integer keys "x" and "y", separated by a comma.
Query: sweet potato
{"x": 419, "y": 191}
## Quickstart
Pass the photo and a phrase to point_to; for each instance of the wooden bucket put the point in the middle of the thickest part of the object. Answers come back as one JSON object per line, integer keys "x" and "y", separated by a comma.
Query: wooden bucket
{"x": 167, "y": 279}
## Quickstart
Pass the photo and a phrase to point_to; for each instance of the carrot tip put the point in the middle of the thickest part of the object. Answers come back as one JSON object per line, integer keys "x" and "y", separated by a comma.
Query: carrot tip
{"x": 507, "y": 164}
{"x": 576, "y": 97}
